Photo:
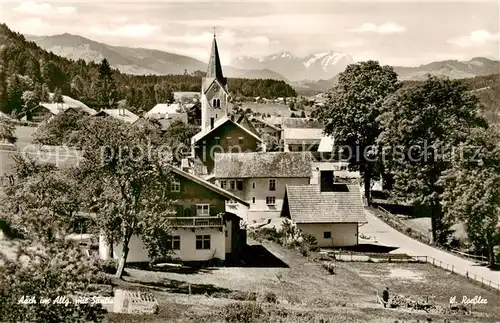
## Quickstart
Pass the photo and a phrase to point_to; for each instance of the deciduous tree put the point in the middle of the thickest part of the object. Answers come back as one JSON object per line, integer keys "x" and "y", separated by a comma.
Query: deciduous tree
{"x": 352, "y": 111}
{"x": 421, "y": 127}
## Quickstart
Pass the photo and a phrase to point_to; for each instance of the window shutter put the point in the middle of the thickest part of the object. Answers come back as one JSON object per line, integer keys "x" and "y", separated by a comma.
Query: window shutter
{"x": 193, "y": 210}
{"x": 179, "y": 210}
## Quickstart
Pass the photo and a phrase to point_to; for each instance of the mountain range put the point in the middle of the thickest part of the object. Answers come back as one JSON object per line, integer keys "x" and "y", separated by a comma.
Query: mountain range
{"x": 316, "y": 71}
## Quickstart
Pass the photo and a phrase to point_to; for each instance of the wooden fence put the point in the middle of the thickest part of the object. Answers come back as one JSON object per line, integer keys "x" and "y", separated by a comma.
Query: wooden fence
{"x": 451, "y": 268}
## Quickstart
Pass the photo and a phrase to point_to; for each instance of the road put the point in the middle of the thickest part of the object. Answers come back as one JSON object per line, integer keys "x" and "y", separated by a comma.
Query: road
{"x": 387, "y": 236}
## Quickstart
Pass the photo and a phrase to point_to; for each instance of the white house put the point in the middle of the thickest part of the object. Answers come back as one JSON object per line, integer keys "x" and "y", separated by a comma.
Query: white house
{"x": 331, "y": 212}
{"x": 168, "y": 111}
{"x": 202, "y": 230}
{"x": 120, "y": 114}
{"x": 260, "y": 178}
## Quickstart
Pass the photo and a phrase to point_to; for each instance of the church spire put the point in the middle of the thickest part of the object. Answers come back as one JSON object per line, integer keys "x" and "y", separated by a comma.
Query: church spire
{"x": 214, "y": 65}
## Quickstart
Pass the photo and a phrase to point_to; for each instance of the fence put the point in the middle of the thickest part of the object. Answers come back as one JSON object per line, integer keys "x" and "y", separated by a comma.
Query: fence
{"x": 399, "y": 225}
{"x": 452, "y": 269}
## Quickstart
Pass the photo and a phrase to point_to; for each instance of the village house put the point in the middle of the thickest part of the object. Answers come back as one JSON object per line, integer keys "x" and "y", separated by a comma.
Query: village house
{"x": 202, "y": 230}
{"x": 331, "y": 212}
{"x": 46, "y": 110}
{"x": 219, "y": 133}
{"x": 120, "y": 114}
{"x": 165, "y": 111}
{"x": 260, "y": 179}
{"x": 264, "y": 127}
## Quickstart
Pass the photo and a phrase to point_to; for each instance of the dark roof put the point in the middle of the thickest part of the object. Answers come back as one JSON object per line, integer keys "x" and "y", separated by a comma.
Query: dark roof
{"x": 214, "y": 65}
{"x": 263, "y": 165}
{"x": 288, "y": 122}
{"x": 219, "y": 123}
{"x": 208, "y": 185}
{"x": 307, "y": 204}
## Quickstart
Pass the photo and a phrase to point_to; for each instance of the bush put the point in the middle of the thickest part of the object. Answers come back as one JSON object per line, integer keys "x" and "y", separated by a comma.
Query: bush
{"x": 270, "y": 297}
{"x": 48, "y": 273}
{"x": 243, "y": 296}
{"x": 107, "y": 266}
{"x": 243, "y": 312}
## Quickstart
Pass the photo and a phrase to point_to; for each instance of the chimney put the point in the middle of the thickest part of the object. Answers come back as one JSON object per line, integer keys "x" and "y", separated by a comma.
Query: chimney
{"x": 327, "y": 181}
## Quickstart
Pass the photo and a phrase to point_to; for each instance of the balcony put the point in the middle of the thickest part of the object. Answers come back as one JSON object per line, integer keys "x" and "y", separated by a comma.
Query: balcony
{"x": 197, "y": 222}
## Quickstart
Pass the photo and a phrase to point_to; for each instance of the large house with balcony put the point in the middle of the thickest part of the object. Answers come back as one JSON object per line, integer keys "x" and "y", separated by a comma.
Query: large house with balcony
{"x": 260, "y": 178}
{"x": 202, "y": 230}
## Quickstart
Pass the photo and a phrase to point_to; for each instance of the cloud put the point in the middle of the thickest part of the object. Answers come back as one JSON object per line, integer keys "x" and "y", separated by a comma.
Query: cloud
{"x": 475, "y": 39}
{"x": 132, "y": 30}
{"x": 39, "y": 8}
{"x": 385, "y": 28}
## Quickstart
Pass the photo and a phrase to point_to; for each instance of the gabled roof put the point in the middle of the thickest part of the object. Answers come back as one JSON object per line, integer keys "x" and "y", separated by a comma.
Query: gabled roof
{"x": 166, "y": 108}
{"x": 263, "y": 165}
{"x": 56, "y": 108}
{"x": 214, "y": 65}
{"x": 200, "y": 135}
{"x": 303, "y": 123}
{"x": 264, "y": 122}
{"x": 120, "y": 114}
{"x": 302, "y": 135}
{"x": 208, "y": 185}
{"x": 306, "y": 204}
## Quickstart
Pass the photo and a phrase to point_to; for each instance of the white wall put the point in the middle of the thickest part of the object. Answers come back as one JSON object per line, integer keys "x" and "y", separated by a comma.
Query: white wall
{"x": 342, "y": 234}
{"x": 188, "y": 251}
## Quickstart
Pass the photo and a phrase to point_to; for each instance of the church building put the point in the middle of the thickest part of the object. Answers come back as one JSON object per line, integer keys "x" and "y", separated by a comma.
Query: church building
{"x": 220, "y": 132}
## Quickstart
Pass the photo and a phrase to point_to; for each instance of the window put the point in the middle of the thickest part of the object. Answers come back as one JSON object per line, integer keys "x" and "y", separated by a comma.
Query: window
{"x": 272, "y": 185}
{"x": 226, "y": 234}
{"x": 232, "y": 184}
{"x": 327, "y": 235}
{"x": 212, "y": 121}
{"x": 216, "y": 141}
{"x": 218, "y": 103}
{"x": 174, "y": 242}
{"x": 239, "y": 185}
{"x": 253, "y": 200}
{"x": 228, "y": 140}
{"x": 175, "y": 186}
{"x": 240, "y": 141}
{"x": 253, "y": 185}
{"x": 223, "y": 184}
{"x": 203, "y": 242}
{"x": 187, "y": 212}
{"x": 270, "y": 200}
{"x": 202, "y": 209}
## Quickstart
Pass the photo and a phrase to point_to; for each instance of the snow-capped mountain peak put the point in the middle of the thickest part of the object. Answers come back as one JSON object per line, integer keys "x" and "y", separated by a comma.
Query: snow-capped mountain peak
{"x": 316, "y": 66}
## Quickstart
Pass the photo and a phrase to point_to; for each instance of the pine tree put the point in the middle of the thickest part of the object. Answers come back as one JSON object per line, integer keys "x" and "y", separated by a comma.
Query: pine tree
{"x": 58, "y": 97}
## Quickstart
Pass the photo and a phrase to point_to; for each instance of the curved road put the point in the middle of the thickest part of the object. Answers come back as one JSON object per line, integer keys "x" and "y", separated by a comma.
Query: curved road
{"x": 386, "y": 235}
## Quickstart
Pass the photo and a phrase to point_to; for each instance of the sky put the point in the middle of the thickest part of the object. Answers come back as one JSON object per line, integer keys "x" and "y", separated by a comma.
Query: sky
{"x": 400, "y": 33}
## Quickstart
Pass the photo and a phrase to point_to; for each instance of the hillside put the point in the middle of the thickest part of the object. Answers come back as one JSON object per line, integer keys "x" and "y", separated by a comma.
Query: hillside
{"x": 28, "y": 71}
{"x": 477, "y": 66}
{"x": 137, "y": 61}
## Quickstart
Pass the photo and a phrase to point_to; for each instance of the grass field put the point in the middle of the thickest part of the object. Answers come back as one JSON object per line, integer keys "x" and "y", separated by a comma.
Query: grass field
{"x": 305, "y": 291}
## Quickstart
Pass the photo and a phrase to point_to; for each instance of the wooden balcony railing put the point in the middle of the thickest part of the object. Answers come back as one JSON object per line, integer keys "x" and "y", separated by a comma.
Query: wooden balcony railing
{"x": 196, "y": 221}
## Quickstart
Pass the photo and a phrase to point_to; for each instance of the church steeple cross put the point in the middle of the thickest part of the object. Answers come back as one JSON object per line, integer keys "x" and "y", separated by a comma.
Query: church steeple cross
{"x": 214, "y": 28}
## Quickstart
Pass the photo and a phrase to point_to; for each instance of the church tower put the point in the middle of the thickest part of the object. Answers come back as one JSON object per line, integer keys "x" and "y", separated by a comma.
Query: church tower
{"x": 214, "y": 92}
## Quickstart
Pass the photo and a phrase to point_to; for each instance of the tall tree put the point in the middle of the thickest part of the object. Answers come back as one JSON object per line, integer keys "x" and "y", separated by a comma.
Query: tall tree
{"x": 126, "y": 184}
{"x": 14, "y": 94}
{"x": 471, "y": 191}
{"x": 421, "y": 127}
{"x": 58, "y": 97}
{"x": 107, "y": 89}
{"x": 7, "y": 131}
{"x": 352, "y": 111}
